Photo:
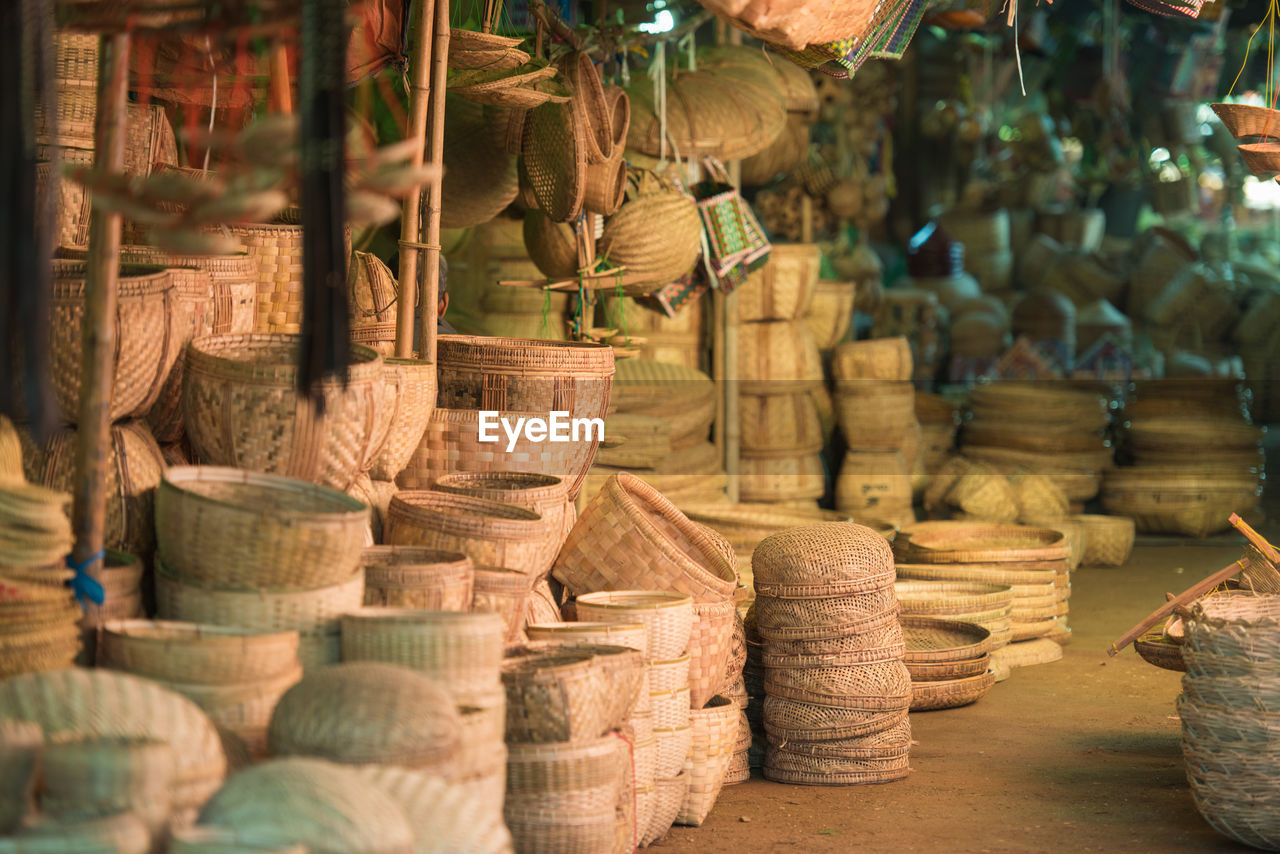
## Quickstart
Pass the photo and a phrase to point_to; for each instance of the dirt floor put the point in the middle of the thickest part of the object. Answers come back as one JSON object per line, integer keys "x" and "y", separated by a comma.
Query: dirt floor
{"x": 1078, "y": 755}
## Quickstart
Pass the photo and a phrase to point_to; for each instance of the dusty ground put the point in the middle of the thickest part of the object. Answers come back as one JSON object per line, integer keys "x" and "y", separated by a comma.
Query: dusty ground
{"x": 1078, "y": 755}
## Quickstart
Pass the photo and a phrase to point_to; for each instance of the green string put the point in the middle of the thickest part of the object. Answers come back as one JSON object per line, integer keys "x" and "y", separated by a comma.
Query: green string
{"x": 546, "y": 311}
{"x": 620, "y": 321}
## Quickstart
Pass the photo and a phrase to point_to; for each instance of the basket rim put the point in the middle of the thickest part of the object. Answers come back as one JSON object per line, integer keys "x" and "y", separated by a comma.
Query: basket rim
{"x": 632, "y": 600}
{"x": 178, "y": 479}
{"x": 192, "y": 633}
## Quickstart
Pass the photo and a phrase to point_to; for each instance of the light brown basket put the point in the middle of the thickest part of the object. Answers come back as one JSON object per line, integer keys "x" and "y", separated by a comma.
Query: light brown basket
{"x": 780, "y": 478}
{"x": 875, "y": 413}
{"x": 409, "y": 398}
{"x": 463, "y": 652}
{"x": 552, "y": 246}
{"x": 831, "y": 312}
{"x": 605, "y": 187}
{"x": 405, "y": 718}
{"x": 134, "y": 468}
{"x": 950, "y": 693}
{"x": 783, "y": 424}
{"x": 416, "y": 577}
{"x": 21, "y": 743}
{"x": 784, "y": 288}
{"x": 715, "y": 734}
{"x": 1108, "y": 540}
{"x": 191, "y": 652}
{"x": 630, "y": 537}
{"x": 978, "y": 542}
{"x": 707, "y": 116}
{"x": 504, "y": 592}
{"x": 874, "y": 485}
{"x": 667, "y": 617}
{"x": 554, "y": 162}
{"x": 372, "y": 293}
{"x": 562, "y": 797}
{"x": 630, "y": 635}
{"x": 591, "y": 111}
{"x": 490, "y": 533}
{"x": 232, "y": 528}
{"x": 242, "y": 409}
{"x": 569, "y": 693}
{"x": 277, "y": 250}
{"x": 654, "y": 234}
{"x": 778, "y": 358}
{"x": 444, "y": 814}
{"x": 877, "y": 758}
{"x": 544, "y": 494}
{"x": 947, "y": 598}
{"x": 452, "y": 444}
{"x": 831, "y": 560}
{"x": 882, "y": 359}
{"x": 710, "y": 645}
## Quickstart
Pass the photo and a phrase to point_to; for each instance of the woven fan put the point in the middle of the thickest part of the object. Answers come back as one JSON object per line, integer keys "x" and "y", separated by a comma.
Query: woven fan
{"x": 503, "y": 89}
{"x": 555, "y": 160}
{"x": 471, "y": 50}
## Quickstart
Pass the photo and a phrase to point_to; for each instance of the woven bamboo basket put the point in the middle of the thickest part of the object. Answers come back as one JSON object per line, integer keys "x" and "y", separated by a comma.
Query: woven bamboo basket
{"x": 883, "y": 359}
{"x": 715, "y": 733}
{"x": 102, "y": 703}
{"x": 1108, "y": 540}
{"x": 463, "y": 652}
{"x": 150, "y": 337}
{"x": 710, "y": 644}
{"x": 667, "y": 617}
{"x": 504, "y": 592}
{"x": 562, "y": 797}
{"x": 242, "y": 710}
{"x": 552, "y": 245}
{"x": 442, "y": 814}
{"x": 784, "y": 288}
{"x": 943, "y": 670}
{"x": 489, "y": 532}
{"x": 707, "y": 115}
{"x": 544, "y": 606}
{"x": 134, "y": 468}
{"x": 72, "y": 208}
{"x": 882, "y": 686}
{"x": 544, "y": 494}
{"x": 170, "y": 651}
{"x": 806, "y": 722}
{"x": 21, "y": 743}
{"x": 1170, "y": 502}
{"x": 874, "y": 484}
{"x": 605, "y": 188}
{"x": 569, "y": 693}
{"x": 242, "y": 409}
{"x": 409, "y": 388}
{"x": 822, "y": 765}
{"x": 781, "y": 478}
{"x": 668, "y": 798}
{"x": 951, "y": 693}
{"x": 945, "y": 598}
{"x": 874, "y": 413}
{"x": 408, "y": 718}
{"x": 372, "y": 292}
{"x": 630, "y": 635}
{"x": 232, "y": 528}
{"x": 121, "y": 580}
{"x": 628, "y": 519}
{"x": 276, "y": 249}
{"x": 832, "y": 560}
{"x": 778, "y": 358}
{"x": 415, "y": 577}
{"x": 783, "y": 425}
{"x": 313, "y": 613}
{"x": 978, "y": 542}
{"x": 831, "y": 312}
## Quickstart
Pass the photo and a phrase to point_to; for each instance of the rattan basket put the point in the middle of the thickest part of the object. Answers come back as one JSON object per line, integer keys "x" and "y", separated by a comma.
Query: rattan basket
{"x": 831, "y": 312}
{"x": 544, "y": 494}
{"x": 191, "y": 652}
{"x": 807, "y": 722}
{"x": 489, "y": 532}
{"x": 561, "y": 797}
{"x": 569, "y": 693}
{"x": 404, "y": 410}
{"x": 834, "y": 559}
{"x": 667, "y": 617}
{"x": 524, "y": 374}
{"x": 232, "y": 528}
{"x": 781, "y": 477}
{"x": 1169, "y": 501}
{"x": 784, "y": 288}
{"x": 504, "y": 592}
{"x": 654, "y": 234}
{"x": 630, "y": 635}
{"x": 463, "y": 652}
{"x": 881, "y": 359}
{"x": 779, "y": 425}
{"x": 778, "y": 358}
{"x": 416, "y": 577}
{"x": 1108, "y": 540}
{"x": 715, "y": 734}
{"x": 242, "y": 409}
{"x": 978, "y": 542}
{"x": 276, "y": 249}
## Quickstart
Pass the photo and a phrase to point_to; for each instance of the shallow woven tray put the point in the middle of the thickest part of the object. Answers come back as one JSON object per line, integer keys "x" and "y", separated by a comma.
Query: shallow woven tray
{"x": 1028, "y": 653}
{"x": 945, "y": 670}
{"x": 950, "y": 693}
{"x": 944, "y": 598}
{"x": 1157, "y": 649}
{"x": 934, "y": 641}
{"x": 978, "y": 542}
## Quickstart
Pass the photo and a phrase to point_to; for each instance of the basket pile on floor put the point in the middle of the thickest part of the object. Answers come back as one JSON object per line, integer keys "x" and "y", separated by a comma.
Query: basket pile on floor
{"x": 875, "y": 405}
{"x": 949, "y": 661}
{"x": 1229, "y": 727}
{"x": 259, "y": 552}
{"x": 780, "y": 429}
{"x": 837, "y": 691}
{"x": 463, "y": 653}
{"x": 1042, "y": 428}
{"x": 235, "y": 675}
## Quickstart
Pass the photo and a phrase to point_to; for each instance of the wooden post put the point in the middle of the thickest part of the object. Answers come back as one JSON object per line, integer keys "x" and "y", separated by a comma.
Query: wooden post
{"x": 732, "y": 409}
{"x": 439, "y": 73}
{"x": 98, "y": 335}
{"x": 410, "y": 214}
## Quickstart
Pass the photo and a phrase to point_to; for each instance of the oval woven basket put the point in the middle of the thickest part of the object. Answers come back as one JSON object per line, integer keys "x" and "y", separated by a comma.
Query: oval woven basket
{"x": 409, "y": 398}
{"x": 149, "y": 337}
{"x": 710, "y": 645}
{"x": 544, "y": 494}
{"x": 784, "y": 288}
{"x": 461, "y": 651}
{"x": 232, "y": 528}
{"x": 667, "y": 617}
{"x": 191, "y": 652}
{"x": 504, "y": 592}
{"x": 242, "y": 409}
{"x": 654, "y": 233}
{"x": 806, "y": 722}
{"x": 525, "y": 374}
{"x": 552, "y": 245}
{"x": 569, "y": 693}
{"x": 778, "y": 358}
{"x": 706, "y": 116}
{"x": 950, "y": 693}
{"x": 715, "y": 733}
{"x": 978, "y": 542}
{"x": 405, "y": 718}
{"x": 417, "y": 577}
{"x": 948, "y": 598}
{"x": 371, "y": 302}
{"x": 631, "y": 537}
{"x": 630, "y": 635}
{"x": 835, "y": 559}
{"x": 562, "y": 797}
{"x": 489, "y": 532}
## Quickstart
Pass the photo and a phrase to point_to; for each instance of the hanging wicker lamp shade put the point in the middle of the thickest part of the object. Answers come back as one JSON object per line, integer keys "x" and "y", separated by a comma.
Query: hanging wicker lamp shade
{"x": 707, "y": 116}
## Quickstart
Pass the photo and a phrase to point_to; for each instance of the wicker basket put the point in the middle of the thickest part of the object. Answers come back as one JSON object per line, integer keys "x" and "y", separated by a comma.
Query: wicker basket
{"x": 831, "y": 560}
{"x": 707, "y": 115}
{"x": 443, "y": 815}
{"x": 874, "y": 484}
{"x": 655, "y": 233}
{"x": 778, "y": 358}
{"x": 978, "y": 542}
{"x": 490, "y": 533}
{"x": 880, "y": 757}
{"x": 1108, "y": 540}
{"x": 947, "y": 598}
{"x": 150, "y": 337}
{"x": 190, "y": 652}
{"x": 710, "y": 644}
{"x": 280, "y": 532}
{"x": 715, "y": 734}
{"x": 831, "y": 312}
{"x": 242, "y": 409}
{"x": 629, "y": 635}
{"x": 409, "y": 397}
{"x": 276, "y": 249}
{"x": 562, "y": 797}
{"x": 566, "y": 694}
{"x": 21, "y": 743}
{"x": 875, "y": 413}
{"x": 504, "y": 592}
{"x": 134, "y": 468}
{"x": 452, "y": 444}
{"x": 405, "y": 717}
{"x": 779, "y": 425}
{"x": 463, "y": 652}
{"x": 372, "y": 293}
{"x": 544, "y": 494}
{"x": 667, "y": 617}
{"x": 415, "y": 577}
{"x": 1168, "y": 501}
{"x": 630, "y": 537}
{"x": 882, "y": 359}
{"x": 781, "y": 478}
{"x": 783, "y": 289}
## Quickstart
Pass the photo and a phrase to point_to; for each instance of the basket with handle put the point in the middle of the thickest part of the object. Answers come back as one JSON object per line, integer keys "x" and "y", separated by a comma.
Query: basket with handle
{"x": 372, "y": 292}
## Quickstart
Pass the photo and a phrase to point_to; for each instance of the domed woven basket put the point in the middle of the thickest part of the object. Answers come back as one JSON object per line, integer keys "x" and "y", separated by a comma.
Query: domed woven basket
{"x": 819, "y": 561}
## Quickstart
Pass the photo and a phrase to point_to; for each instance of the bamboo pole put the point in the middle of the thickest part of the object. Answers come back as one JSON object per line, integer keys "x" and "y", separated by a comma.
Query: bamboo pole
{"x": 730, "y": 423}
{"x": 439, "y": 72}
{"x": 280, "y": 85}
{"x": 1186, "y": 597}
{"x": 98, "y": 335}
{"x": 411, "y": 213}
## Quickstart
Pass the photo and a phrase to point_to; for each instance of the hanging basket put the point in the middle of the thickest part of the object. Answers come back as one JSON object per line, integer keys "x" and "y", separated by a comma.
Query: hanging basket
{"x": 656, "y": 233}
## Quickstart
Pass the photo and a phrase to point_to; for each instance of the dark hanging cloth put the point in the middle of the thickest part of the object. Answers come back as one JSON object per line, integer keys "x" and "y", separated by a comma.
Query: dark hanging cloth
{"x": 325, "y": 347}
{"x": 27, "y": 224}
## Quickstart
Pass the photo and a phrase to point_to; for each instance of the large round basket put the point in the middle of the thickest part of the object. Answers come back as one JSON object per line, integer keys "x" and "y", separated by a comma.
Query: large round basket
{"x": 242, "y": 408}
{"x": 667, "y": 617}
{"x": 490, "y": 533}
{"x": 544, "y": 494}
{"x": 191, "y": 652}
{"x": 417, "y": 577}
{"x": 524, "y": 374}
{"x": 409, "y": 398}
{"x": 461, "y": 651}
{"x": 233, "y": 528}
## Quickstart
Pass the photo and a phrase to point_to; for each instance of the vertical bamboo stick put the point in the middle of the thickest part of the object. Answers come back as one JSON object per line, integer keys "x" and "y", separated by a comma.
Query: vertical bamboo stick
{"x": 281, "y": 90}
{"x": 439, "y": 72}
{"x": 93, "y": 436}
{"x": 411, "y": 213}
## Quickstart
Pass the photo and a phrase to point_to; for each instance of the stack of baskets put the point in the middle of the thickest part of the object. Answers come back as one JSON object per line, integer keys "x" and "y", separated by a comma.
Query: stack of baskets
{"x": 1108, "y": 540}
{"x": 571, "y": 779}
{"x": 988, "y": 252}
{"x": 781, "y": 433}
{"x": 1229, "y": 725}
{"x": 837, "y": 691}
{"x": 463, "y": 653}
{"x": 875, "y": 403}
{"x": 1042, "y": 428}
{"x": 949, "y": 662}
{"x": 990, "y": 574}
{"x": 939, "y": 419}
{"x": 261, "y": 552}
{"x": 235, "y": 675}
{"x": 39, "y": 622}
